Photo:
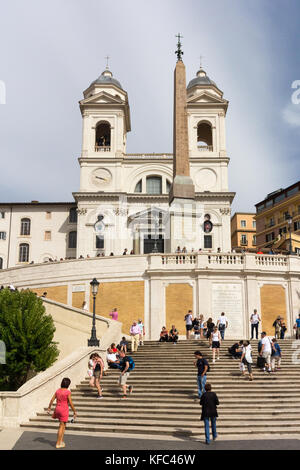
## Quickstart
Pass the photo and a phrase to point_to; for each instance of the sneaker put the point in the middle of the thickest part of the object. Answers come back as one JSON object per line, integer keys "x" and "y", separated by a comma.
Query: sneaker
{"x": 218, "y": 358}
{"x": 124, "y": 397}
{"x": 99, "y": 397}
{"x": 130, "y": 388}
{"x": 214, "y": 361}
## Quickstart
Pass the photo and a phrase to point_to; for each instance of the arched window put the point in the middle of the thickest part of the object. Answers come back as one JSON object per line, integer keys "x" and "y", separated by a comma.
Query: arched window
{"x": 73, "y": 215}
{"x": 138, "y": 187}
{"x": 72, "y": 239}
{"x": 154, "y": 185}
{"x": 204, "y": 137}
{"x": 25, "y": 226}
{"x": 23, "y": 253}
{"x": 103, "y": 135}
{"x": 1, "y": 263}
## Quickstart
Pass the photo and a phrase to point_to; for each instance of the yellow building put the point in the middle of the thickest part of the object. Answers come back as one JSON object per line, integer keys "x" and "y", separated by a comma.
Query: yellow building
{"x": 243, "y": 230}
{"x": 278, "y": 220}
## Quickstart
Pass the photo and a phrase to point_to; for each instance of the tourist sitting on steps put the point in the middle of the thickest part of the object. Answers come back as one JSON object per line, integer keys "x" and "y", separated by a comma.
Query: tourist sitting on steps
{"x": 173, "y": 335}
{"x": 236, "y": 350}
{"x": 112, "y": 360}
{"x": 163, "y": 337}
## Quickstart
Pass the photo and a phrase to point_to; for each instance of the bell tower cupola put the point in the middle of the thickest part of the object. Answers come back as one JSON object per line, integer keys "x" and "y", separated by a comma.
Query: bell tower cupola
{"x": 106, "y": 117}
{"x": 206, "y": 113}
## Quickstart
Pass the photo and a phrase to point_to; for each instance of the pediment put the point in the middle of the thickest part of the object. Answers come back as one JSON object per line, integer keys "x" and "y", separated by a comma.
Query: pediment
{"x": 102, "y": 98}
{"x": 207, "y": 98}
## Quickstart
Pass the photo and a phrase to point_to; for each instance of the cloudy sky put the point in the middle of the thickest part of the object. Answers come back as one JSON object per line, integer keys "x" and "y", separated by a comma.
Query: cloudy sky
{"x": 51, "y": 51}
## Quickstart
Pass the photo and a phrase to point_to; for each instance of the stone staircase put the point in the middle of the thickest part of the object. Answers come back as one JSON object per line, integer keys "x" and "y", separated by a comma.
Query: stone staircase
{"x": 164, "y": 400}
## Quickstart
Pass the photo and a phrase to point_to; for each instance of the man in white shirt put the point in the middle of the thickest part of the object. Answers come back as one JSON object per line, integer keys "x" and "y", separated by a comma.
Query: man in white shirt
{"x": 254, "y": 319}
{"x": 266, "y": 349}
{"x": 222, "y": 323}
{"x": 112, "y": 360}
{"x": 188, "y": 323}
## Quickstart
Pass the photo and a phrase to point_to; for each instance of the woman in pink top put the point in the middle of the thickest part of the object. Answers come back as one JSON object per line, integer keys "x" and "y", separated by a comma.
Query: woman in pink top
{"x": 61, "y": 412}
{"x": 114, "y": 314}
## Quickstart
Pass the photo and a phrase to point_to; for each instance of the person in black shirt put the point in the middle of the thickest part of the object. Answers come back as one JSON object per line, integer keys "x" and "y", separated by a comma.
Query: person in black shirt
{"x": 173, "y": 335}
{"x": 209, "y": 402}
{"x": 202, "y": 366}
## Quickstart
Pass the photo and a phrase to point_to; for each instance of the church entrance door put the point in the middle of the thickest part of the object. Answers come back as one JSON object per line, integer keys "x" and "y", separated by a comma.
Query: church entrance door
{"x": 149, "y": 243}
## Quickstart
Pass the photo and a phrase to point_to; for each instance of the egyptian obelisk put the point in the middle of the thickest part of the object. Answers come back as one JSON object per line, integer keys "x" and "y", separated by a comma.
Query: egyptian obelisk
{"x": 182, "y": 187}
{"x": 182, "y": 193}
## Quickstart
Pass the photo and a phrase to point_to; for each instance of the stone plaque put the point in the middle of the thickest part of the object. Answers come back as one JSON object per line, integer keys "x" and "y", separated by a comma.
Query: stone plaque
{"x": 78, "y": 288}
{"x": 227, "y": 298}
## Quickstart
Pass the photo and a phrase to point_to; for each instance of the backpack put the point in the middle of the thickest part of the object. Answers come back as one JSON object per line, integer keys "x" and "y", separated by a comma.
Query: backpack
{"x": 131, "y": 363}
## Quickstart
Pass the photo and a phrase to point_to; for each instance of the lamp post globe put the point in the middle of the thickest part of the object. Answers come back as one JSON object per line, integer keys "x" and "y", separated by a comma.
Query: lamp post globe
{"x": 93, "y": 341}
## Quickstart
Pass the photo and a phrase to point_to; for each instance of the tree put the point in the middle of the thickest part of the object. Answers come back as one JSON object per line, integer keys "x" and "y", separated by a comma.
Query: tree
{"x": 27, "y": 332}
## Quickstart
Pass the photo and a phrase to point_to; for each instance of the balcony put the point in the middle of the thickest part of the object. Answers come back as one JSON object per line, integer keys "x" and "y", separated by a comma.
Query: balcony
{"x": 243, "y": 242}
{"x": 100, "y": 148}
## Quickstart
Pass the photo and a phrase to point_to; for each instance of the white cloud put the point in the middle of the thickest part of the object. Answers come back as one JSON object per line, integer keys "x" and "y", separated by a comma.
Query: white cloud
{"x": 291, "y": 114}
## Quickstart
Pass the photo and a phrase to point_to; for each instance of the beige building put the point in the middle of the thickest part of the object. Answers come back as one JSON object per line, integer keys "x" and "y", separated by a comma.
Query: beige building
{"x": 278, "y": 220}
{"x": 243, "y": 231}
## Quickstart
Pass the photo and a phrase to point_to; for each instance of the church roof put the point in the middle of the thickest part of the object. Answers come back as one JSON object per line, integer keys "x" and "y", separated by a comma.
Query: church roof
{"x": 106, "y": 78}
{"x": 201, "y": 79}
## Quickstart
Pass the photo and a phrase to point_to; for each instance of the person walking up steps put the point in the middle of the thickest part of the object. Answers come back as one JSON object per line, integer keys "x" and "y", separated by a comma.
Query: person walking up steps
{"x": 209, "y": 402}
{"x": 222, "y": 323}
{"x": 126, "y": 365}
{"x": 216, "y": 343}
{"x": 203, "y": 367}
{"x": 246, "y": 359}
{"x": 61, "y": 412}
{"x": 275, "y": 355}
{"x": 188, "y": 323}
{"x": 266, "y": 350}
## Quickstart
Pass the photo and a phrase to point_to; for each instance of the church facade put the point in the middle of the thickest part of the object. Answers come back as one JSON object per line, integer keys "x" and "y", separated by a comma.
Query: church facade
{"x": 123, "y": 199}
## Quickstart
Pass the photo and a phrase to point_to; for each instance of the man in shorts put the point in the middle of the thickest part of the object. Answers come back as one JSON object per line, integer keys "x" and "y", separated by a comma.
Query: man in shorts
{"x": 126, "y": 367}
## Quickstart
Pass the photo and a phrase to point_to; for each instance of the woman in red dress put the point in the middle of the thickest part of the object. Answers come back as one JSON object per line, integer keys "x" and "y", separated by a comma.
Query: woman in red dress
{"x": 61, "y": 412}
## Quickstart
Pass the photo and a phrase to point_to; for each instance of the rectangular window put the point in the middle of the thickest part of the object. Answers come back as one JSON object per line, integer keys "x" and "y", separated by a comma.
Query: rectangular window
{"x": 243, "y": 223}
{"x": 207, "y": 241}
{"x": 292, "y": 191}
{"x": 282, "y": 230}
{"x": 244, "y": 240}
{"x": 270, "y": 237}
{"x": 254, "y": 240}
{"x": 99, "y": 243}
{"x": 48, "y": 235}
{"x": 253, "y": 223}
{"x": 296, "y": 225}
{"x": 48, "y": 215}
{"x": 279, "y": 198}
{"x": 2, "y": 235}
{"x": 2, "y": 215}
{"x": 73, "y": 215}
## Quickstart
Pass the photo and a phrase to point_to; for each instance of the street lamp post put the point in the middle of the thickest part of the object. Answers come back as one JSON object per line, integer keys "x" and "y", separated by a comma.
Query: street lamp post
{"x": 289, "y": 219}
{"x": 93, "y": 341}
